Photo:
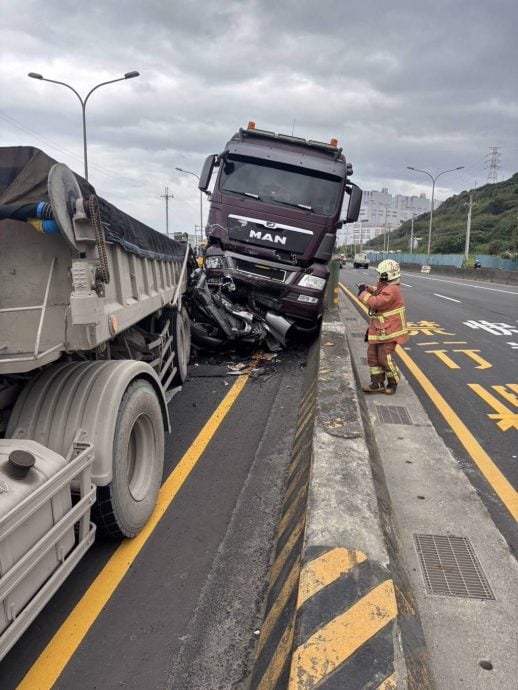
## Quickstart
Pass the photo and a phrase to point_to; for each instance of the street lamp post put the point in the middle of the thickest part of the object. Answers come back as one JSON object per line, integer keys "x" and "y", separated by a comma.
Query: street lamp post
{"x": 188, "y": 172}
{"x": 434, "y": 180}
{"x": 128, "y": 75}
{"x": 412, "y": 234}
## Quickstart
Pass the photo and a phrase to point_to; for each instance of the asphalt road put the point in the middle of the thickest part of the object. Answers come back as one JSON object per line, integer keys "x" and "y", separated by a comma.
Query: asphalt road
{"x": 464, "y": 338}
{"x": 194, "y": 593}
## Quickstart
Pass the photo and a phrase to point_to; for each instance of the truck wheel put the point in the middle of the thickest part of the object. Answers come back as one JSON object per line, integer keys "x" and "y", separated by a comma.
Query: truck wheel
{"x": 125, "y": 505}
{"x": 118, "y": 409}
{"x": 181, "y": 344}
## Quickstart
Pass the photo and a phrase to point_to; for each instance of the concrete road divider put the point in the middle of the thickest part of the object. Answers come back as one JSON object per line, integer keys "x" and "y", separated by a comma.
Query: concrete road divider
{"x": 339, "y": 613}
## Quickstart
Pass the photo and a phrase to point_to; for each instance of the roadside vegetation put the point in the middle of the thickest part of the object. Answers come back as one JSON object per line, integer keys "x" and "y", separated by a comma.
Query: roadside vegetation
{"x": 494, "y": 224}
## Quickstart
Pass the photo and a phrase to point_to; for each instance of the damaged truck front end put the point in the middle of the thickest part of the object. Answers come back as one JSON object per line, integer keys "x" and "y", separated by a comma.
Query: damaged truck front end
{"x": 275, "y": 209}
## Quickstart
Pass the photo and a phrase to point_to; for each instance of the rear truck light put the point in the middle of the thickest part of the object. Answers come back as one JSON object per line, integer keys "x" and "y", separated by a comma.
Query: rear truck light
{"x": 308, "y": 299}
{"x": 313, "y": 282}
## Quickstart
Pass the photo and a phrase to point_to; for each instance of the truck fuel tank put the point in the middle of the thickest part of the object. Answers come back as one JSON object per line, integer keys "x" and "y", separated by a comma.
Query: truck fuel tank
{"x": 25, "y": 468}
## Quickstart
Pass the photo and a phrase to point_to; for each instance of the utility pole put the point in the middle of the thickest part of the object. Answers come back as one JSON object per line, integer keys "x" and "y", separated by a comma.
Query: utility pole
{"x": 412, "y": 234}
{"x": 385, "y": 236}
{"x": 470, "y": 205}
{"x": 167, "y": 196}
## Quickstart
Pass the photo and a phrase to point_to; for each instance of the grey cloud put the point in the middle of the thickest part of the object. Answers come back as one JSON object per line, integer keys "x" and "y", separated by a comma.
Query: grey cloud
{"x": 399, "y": 84}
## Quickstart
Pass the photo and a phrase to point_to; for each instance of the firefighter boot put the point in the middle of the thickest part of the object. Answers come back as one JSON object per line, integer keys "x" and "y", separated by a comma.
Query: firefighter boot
{"x": 376, "y": 385}
{"x": 391, "y": 386}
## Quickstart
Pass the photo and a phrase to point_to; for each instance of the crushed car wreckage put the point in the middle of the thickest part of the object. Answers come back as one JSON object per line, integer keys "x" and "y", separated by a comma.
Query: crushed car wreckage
{"x": 218, "y": 319}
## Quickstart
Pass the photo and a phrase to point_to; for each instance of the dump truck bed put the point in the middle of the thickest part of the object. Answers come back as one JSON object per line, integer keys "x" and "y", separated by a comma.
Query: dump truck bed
{"x": 51, "y": 298}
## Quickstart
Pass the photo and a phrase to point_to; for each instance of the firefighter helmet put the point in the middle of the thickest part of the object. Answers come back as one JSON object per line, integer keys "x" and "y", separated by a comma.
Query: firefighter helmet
{"x": 388, "y": 270}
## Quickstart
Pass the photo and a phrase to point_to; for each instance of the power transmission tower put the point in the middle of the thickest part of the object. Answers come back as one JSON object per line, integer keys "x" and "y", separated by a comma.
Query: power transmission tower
{"x": 167, "y": 196}
{"x": 493, "y": 160}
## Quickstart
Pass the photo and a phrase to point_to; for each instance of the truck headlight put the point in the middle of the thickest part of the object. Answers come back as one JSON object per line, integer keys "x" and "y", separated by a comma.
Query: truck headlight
{"x": 308, "y": 299}
{"x": 213, "y": 262}
{"x": 313, "y": 282}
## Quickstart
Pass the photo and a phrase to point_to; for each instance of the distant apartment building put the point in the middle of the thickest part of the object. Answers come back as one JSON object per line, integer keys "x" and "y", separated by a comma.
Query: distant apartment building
{"x": 382, "y": 212}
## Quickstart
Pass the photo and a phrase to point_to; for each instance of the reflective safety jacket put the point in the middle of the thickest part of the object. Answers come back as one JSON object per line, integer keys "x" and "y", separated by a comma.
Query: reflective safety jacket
{"x": 386, "y": 312}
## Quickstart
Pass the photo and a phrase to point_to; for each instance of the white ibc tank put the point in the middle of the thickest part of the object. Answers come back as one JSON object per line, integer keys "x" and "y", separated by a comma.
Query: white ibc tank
{"x": 25, "y": 466}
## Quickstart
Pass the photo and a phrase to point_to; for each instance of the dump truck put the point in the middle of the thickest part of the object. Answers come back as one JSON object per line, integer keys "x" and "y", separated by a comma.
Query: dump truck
{"x": 94, "y": 341}
{"x": 275, "y": 207}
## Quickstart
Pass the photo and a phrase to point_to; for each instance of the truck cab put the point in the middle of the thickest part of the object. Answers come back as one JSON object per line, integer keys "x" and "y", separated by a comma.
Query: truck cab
{"x": 275, "y": 208}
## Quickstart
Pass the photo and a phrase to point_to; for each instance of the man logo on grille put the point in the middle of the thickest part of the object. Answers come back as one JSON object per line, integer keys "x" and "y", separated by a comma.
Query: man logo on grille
{"x": 267, "y": 237}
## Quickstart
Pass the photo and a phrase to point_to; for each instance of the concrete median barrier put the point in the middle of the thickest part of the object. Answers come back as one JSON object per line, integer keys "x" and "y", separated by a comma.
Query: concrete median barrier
{"x": 339, "y": 613}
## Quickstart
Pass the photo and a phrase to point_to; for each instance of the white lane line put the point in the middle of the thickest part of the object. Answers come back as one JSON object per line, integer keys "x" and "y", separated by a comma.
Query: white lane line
{"x": 406, "y": 285}
{"x": 465, "y": 284}
{"x": 450, "y": 298}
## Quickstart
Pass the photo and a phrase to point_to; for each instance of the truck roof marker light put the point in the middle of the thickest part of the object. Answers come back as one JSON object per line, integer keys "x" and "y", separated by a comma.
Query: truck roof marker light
{"x": 334, "y": 142}
{"x": 251, "y": 125}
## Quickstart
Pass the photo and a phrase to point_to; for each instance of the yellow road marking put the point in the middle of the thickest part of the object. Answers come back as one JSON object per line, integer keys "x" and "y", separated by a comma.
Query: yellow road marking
{"x": 283, "y": 556}
{"x": 482, "y": 363}
{"x": 51, "y": 662}
{"x": 507, "y": 418}
{"x": 498, "y": 482}
{"x": 325, "y": 569}
{"x": 302, "y": 424}
{"x": 441, "y": 354}
{"x": 274, "y": 670}
{"x": 389, "y": 683}
{"x": 335, "y": 642}
{"x": 510, "y": 395}
{"x": 287, "y": 517}
{"x": 278, "y": 606}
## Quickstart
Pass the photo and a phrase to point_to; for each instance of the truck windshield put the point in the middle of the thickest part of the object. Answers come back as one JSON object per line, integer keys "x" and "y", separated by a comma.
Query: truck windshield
{"x": 309, "y": 189}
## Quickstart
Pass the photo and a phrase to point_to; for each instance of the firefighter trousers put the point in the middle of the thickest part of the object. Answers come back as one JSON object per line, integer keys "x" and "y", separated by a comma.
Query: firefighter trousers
{"x": 381, "y": 362}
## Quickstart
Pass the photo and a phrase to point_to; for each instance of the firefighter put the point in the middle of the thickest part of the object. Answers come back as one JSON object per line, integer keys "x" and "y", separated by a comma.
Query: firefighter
{"x": 387, "y": 327}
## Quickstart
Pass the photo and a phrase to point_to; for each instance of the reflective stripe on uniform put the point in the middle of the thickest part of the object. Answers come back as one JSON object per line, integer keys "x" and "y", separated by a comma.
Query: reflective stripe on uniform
{"x": 387, "y": 336}
{"x": 393, "y": 312}
{"x": 373, "y": 371}
{"x": 393, "y": 371}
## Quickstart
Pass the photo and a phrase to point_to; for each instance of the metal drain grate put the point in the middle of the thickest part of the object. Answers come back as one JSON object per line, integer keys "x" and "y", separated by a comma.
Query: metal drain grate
{"x": 451, "y": 567}
{"x": 349, "y": 318}
{"x": 357, "y": 335}
{"x": 390, "y": 414}
{"x": 364, "y": 361}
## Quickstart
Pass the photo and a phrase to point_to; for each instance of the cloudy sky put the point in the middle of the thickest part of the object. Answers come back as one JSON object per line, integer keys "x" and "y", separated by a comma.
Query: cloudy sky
{"x": 428, "y": 84}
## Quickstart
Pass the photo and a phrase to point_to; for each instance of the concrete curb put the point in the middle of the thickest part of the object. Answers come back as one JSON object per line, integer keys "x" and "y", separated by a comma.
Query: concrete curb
{"x": 331, "y": 619}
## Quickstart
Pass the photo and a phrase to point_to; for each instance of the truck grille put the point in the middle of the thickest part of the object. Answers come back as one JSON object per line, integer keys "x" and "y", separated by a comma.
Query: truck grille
{"x": 261, "y": 270}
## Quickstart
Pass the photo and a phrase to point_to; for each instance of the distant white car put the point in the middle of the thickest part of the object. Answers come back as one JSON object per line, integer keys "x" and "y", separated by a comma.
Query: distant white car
{"x": 360, "y": 261}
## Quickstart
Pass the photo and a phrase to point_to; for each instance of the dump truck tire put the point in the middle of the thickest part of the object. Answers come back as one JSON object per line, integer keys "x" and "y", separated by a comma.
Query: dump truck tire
{"x": 119, "y": 407}
{"x": 181, "y": 344}
{"x": 125, "y": 505}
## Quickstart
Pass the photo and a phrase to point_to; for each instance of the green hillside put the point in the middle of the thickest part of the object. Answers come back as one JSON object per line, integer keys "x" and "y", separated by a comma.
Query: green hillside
{"x": 494, "y": 224}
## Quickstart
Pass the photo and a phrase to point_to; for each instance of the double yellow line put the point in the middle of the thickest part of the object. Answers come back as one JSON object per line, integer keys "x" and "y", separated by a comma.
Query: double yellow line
{"x": 56, "y": 655}
{"x": 498, "y": 482}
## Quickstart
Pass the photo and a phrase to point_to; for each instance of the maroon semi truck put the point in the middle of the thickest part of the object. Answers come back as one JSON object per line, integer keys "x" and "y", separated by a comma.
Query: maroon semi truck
{"x": 275, "y": 208}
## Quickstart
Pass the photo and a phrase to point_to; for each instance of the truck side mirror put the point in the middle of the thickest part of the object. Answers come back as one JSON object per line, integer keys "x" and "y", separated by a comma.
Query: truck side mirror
{"x": 355, "y": 201}
{"x": 206, "y": 173}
